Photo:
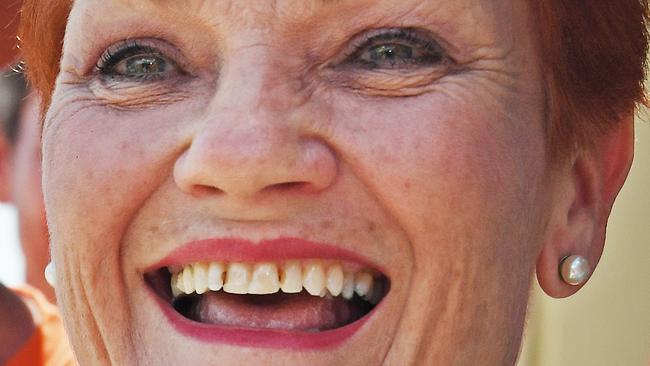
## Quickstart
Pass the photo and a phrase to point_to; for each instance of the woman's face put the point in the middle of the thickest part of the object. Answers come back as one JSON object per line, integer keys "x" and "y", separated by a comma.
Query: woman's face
{"x": 392, "y": 146}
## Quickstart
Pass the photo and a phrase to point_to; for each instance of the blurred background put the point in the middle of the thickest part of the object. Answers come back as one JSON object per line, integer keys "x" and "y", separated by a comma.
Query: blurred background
{"x": 12, "y": 264}
{"x": 606, "y": 324}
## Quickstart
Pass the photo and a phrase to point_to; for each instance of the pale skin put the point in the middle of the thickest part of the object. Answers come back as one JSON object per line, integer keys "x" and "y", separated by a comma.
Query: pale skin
{"x": 436, "y": 171}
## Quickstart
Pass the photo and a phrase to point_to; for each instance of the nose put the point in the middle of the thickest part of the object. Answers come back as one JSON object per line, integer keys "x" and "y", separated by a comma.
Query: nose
{"x": 245, "y": 153}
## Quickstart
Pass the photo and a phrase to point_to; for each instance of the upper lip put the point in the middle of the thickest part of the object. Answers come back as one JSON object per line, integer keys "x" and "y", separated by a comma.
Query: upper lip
{"x": 272, "y": 250}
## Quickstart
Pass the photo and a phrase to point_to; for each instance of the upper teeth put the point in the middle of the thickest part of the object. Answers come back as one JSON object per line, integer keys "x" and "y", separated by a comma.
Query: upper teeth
{"x": 318, "y": 278}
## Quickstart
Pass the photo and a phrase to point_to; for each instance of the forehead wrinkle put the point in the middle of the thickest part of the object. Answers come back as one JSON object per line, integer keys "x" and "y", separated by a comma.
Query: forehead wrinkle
{"x": 467, "y": 26}
{"x": 226, "y": 13}
{"x": 291, "y": 9}
{"x": 226, "y": 6}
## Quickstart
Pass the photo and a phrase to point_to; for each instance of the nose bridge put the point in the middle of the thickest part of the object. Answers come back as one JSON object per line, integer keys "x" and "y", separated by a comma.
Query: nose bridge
{"x": 238, "y": 137}
{"x": 255, "y": 80}
{"x": 249, "y": 120}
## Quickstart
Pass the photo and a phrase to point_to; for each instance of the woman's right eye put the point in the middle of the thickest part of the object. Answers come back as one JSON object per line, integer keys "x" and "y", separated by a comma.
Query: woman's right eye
{"x": 132, "y": 61}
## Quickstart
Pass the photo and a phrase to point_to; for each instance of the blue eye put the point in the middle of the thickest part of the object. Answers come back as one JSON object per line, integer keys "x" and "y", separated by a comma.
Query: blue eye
{"x": 397, "y": 49}
{"x": 130, "y": 60}
{"x": 144, "y": 65}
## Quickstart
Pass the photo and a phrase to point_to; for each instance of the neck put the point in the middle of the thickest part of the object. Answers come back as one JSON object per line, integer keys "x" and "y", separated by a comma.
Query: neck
{"x": 16, "y": 324}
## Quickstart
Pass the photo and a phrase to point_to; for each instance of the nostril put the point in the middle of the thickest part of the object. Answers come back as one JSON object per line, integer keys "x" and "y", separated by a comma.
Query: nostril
{"x": 203, "y": 190}
{"x": 286, "y": 187}
{"x": 200, "y": 190}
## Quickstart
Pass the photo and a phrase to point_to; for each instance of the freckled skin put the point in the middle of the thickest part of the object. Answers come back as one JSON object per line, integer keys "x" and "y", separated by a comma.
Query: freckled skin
{"x": 437, "y": 175}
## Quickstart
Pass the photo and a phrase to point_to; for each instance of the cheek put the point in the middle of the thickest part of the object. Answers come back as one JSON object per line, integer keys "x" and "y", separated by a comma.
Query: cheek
{"x": 461, "y": 177}
{"x": 463, "y": 182}
{"x": 100, "y": 165}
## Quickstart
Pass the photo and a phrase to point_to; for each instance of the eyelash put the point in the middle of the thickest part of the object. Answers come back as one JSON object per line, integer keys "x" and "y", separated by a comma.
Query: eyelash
{"x": 410, "y": 36}
{"x": 123, "y": 51}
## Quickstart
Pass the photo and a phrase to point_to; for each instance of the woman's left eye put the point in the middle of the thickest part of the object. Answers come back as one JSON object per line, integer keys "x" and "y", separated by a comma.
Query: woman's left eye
{"x": 135, "y": 62}
{"x": 397, "y": 49}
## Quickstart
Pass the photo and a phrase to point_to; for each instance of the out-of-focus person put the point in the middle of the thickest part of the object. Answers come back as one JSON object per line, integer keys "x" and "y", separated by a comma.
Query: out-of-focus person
{"x": 31, "y": 332}
{"x": 20, "y": 173}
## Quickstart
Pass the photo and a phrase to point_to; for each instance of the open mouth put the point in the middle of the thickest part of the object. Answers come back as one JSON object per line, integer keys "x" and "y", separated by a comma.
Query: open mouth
{"x": 292, "y": 295}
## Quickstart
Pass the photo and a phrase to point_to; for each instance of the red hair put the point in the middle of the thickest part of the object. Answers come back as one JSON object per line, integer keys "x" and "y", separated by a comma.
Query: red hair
{"x": 594, "y": 62}
{"x": 593, "y": 59}
{"x": 42, "y": 27}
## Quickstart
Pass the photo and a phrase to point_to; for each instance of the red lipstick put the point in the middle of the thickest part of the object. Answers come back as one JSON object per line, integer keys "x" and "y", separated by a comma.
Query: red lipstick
{"x": 274, "y": 250}
{"x": 262, "y": 338}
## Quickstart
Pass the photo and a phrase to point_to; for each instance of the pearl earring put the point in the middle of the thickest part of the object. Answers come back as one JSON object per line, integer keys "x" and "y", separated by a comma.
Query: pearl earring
{"x": 575, "y": 270}
{"x": 50, "y": 274}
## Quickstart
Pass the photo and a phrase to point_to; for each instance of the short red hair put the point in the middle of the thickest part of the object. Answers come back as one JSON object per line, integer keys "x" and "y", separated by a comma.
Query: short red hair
{"x": 42, "y": 27}
{"x": 594, "y": 60}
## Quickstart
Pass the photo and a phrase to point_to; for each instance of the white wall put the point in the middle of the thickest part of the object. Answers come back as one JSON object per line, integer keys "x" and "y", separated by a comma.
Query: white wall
{"x": 12, "y": 263}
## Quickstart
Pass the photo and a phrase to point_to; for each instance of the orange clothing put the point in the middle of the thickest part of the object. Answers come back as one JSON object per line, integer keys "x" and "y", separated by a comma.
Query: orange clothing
{"x": 48, "y": 346}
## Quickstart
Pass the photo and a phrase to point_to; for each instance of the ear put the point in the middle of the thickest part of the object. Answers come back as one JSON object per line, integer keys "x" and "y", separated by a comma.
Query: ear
{"x": 5, "y": 169}
{"x": 584, "y": 193}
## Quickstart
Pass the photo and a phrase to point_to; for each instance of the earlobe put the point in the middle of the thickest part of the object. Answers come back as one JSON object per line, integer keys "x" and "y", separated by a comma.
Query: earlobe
{"x": 584, "y": 193}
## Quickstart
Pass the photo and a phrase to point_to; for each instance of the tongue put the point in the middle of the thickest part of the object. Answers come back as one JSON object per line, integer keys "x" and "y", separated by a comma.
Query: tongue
{"x": 278, "y": 311}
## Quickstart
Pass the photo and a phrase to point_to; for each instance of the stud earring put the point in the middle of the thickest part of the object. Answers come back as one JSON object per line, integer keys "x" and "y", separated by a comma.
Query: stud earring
{"x": 575, "y": 270}
{"x": 50, "y": 274}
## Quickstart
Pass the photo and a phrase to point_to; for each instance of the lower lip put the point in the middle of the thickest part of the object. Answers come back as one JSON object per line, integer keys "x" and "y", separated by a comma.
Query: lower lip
{"x": 261, "y": 338}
